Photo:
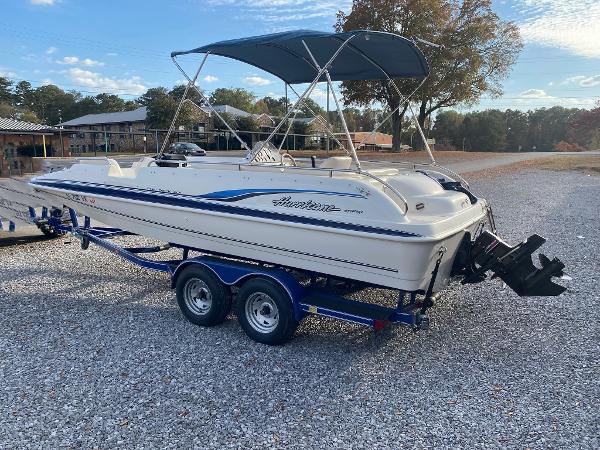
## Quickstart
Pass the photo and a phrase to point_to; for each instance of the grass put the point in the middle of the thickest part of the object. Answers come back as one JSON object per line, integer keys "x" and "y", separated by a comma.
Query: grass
{"x": 590, "y": 165}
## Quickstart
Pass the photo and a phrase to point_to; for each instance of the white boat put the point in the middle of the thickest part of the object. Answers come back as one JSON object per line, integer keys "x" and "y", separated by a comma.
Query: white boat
{"x": 16, "y": 199}
{"x": 400, "y": 226}
{"x": 340, "y": 223}
{"x": 21, "y": 205}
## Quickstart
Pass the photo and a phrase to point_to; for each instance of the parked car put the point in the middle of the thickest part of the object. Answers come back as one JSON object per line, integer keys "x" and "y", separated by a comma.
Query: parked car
{"x": 186, "y": 148}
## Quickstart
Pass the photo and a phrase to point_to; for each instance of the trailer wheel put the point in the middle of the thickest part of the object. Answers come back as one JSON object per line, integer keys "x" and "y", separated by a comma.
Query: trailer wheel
{"x": 265, "y": 312}
{"x": 202, "y": 297}
{"x": 49, "y": 232}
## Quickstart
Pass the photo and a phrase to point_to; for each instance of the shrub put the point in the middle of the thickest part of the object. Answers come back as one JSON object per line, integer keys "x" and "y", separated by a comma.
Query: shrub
{"x": 34, "y": 150}
{"x": 445, "y": 147}
{"x": 563, "y": 146}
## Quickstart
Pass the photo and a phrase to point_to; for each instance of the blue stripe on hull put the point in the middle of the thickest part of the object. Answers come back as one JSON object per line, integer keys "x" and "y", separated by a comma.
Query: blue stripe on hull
{"x": 184, "y": 201}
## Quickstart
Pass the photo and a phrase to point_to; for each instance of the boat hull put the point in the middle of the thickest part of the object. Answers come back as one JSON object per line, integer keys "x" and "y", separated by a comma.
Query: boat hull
{"x": 389, "y": 261}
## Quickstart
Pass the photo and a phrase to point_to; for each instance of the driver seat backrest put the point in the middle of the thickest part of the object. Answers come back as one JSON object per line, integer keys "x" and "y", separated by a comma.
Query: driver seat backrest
{"x": 336, "y": 162}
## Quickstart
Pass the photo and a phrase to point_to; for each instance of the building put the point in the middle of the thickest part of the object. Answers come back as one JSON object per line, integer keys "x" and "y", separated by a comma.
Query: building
{"x": 21, "y": 142}
{"x": 369, "y": 141}
{"x": 127, "y": 131}
{"x": 117, "y": 131}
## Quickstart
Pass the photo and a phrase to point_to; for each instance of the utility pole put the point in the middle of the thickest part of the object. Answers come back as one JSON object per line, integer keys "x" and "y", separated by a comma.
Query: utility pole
{"x": 62, "y": 143}
{"x": 327, "y": 119}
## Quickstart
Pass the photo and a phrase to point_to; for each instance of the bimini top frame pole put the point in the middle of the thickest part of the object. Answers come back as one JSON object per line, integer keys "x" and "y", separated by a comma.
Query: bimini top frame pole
{"x": 192, "y": 83}
{"x": 183, "y": 98}
{"x": 337, "y": 104}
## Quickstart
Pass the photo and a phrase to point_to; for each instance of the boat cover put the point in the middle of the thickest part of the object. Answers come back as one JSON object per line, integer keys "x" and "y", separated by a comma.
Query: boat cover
{"x": 366, "y": 55}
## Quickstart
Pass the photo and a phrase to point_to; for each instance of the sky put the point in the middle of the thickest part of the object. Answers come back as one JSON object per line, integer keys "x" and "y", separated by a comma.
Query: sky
{"x": 123, "y": 47}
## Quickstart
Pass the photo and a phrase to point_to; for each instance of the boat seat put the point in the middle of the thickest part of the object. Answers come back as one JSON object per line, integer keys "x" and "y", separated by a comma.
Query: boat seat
{"x": 336, "y": 162}
{"x": 114, "y": 170}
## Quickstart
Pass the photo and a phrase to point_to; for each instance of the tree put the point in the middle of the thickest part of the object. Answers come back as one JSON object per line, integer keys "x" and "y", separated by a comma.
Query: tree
{"x": 484, "y": 130}
{"x": 12, "y": 112}
{"x": 547, "y": 126}
{"x": 477, "y": 50}
{"x": 8, "y": 111}
{"x": 23, "y": 94}
{"x": 585, "y": 128}
{"x": 113, "y": 103}
{"x": 272, "y": 106}
{"x": 151, "y": 95}
{"x": 237, "y": 97}
{"x": 446, "y": 128}
{"x": 517, "y": 125}
{"x": 352, "y": 116}
{"x": 231, "y": 121}
{"x": 6, "y": 95}
{"x": 50, "y": 104}
{"x": 29, "y": 116}
{"x": 161, "y": 108}
{"x": 246, "y": 123}
{"x": 310, "y": 108}
{"x": 192, "y": 94}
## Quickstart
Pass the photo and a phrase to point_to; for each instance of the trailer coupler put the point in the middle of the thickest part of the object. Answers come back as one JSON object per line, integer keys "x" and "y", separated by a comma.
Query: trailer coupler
{"x": 513, "y": 265}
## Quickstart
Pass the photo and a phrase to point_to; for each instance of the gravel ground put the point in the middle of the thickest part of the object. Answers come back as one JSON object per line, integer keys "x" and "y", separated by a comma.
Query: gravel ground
{"x": 95, "y": 353}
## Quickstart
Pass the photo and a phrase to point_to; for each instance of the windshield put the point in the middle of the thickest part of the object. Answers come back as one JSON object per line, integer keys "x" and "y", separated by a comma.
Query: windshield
{"x": 189, "y": 146}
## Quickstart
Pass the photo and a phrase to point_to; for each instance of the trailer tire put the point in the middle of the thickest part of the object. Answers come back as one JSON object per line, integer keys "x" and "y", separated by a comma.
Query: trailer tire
{"x": 265, "y": 313}
{"x": 49, "y": 232}
{"x": 203, "y": 299}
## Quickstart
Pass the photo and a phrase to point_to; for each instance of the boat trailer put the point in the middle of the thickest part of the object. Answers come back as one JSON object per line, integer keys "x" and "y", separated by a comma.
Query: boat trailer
{"x": 271, "y": 300}
{"x": 266, "y": 294}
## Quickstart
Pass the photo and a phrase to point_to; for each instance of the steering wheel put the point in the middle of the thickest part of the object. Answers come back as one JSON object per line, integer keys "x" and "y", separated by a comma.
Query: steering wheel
{"x": 291, "y": 158}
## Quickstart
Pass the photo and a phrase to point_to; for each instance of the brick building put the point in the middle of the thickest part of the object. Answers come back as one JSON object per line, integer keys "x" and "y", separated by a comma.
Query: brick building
{"x": 127, "y": 131}
{"x": 114, "y": 132}
{"x": 370, "y": 141}
{"x": 21, "y": 142}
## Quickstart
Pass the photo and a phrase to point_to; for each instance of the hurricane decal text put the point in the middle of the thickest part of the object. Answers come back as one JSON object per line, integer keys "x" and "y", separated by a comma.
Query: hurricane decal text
{"x": 309, "y": 205}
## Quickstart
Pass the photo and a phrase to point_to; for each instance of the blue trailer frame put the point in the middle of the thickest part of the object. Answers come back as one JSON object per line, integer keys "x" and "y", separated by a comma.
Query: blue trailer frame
{"x": 306, "y": 298}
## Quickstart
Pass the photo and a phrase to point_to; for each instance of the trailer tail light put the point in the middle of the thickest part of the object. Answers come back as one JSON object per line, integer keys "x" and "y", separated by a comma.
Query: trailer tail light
{"x": 380, "y": 324}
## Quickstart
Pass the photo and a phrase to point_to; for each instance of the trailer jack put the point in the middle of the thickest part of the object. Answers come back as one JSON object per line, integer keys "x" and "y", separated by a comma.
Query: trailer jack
{"x": 513, "y": 265}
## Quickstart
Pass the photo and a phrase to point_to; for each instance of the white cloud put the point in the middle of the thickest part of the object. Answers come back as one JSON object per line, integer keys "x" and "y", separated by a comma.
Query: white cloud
{"x": 319, "y": 94}
{"x": 42, "y": 2}
{"x": 257, "y": 81}
{"x": 584, "y": 81}
{"x": 568, "y": 25}
{"x": 91, "y": 62}
{"x": 7, "y": 73}
{"x": 68, "y": 60}
{"x": 96, "y": 81}
{"x": 46, "y": 81}
{"x": 112, "y": 54}
{"x": 535, "y": 93}
{"x": 277, "y": 11}
{"x": 51, "y": 50}
{"x": 590, "y": 81}
{"x": 72, "y": 60}
{"x": 538, "y": 98}
{"x": 210, "y": 79}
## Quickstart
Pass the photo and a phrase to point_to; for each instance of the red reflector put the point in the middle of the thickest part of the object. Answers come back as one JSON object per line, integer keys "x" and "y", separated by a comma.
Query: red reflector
{"x": 380, "y": 324}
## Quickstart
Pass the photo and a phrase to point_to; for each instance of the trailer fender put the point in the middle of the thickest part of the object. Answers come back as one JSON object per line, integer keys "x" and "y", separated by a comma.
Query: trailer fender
{"x": 232, "y": 273}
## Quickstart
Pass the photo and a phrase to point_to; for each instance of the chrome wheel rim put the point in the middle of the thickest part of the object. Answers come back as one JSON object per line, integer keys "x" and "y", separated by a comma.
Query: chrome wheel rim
{"x": 197, "y": 296}
{"x": 262, "y": 312}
